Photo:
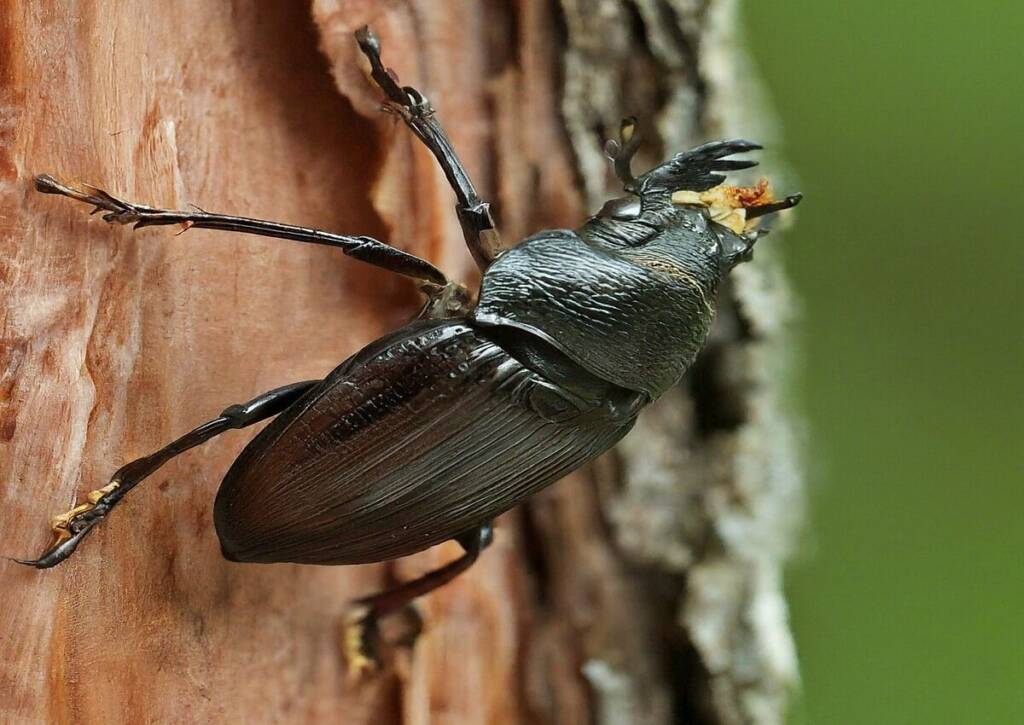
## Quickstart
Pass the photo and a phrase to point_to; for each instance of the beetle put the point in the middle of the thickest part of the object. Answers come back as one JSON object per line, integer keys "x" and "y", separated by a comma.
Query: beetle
{"x": 430, "y": 432}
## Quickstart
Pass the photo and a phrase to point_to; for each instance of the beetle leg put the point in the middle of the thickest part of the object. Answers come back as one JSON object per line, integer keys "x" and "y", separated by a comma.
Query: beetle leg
{"x": 71, "y": 527}
{"x": 365, "y": 249}
{"x": 475, "y": 216}
{"x": 361, "y": 633}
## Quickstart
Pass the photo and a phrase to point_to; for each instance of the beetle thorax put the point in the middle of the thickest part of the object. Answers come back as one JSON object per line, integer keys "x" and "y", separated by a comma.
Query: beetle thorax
{"x": 634, "y": 314}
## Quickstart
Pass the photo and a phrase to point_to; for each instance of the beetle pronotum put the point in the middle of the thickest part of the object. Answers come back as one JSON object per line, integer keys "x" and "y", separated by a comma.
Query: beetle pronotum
{"x": 430, "y": 432}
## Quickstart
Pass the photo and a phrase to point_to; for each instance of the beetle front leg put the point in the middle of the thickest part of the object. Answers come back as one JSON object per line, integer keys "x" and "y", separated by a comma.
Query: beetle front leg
{"x": 445, "y": 298}
{"x": 475, "y": 216}
{"x": 361, "y": 636}
{"x": 72, "y": 526}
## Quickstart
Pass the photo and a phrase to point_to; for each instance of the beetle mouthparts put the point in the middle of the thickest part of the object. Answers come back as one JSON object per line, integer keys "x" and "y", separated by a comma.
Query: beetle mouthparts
{"x": 788, "y": 203}
{"x": 737, "y": 207}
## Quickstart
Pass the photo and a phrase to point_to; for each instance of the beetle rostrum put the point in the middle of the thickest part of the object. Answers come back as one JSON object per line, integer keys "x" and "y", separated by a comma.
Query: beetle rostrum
{"x": 429, "y": 433}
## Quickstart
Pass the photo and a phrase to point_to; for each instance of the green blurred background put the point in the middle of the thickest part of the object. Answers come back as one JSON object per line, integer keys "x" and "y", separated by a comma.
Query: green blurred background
{"x": 903, "y": 121}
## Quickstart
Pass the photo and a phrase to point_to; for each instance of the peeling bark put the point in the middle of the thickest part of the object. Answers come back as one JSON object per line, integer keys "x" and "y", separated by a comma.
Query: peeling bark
{"x": 646, "y": 589}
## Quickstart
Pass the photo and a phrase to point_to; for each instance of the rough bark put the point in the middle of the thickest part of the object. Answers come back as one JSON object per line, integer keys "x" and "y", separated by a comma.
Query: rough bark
{"x": 643, "y": 590}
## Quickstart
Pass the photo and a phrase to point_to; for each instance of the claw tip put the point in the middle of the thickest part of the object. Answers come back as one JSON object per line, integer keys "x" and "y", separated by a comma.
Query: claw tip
{"x": 46, "y": 184}
{"x": 34, "y": 563}
{"x": 367, "y": 40}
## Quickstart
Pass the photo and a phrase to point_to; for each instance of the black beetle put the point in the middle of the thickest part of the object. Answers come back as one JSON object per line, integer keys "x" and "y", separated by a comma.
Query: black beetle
{"x": 430, "y": 432}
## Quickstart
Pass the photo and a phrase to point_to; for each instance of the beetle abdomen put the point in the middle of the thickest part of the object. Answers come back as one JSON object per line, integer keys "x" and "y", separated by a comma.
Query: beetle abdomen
{"x": 423, "y": 435}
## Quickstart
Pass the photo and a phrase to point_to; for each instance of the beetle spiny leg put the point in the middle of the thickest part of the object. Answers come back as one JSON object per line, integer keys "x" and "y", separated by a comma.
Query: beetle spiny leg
{"x": 404, "y": 101}
{"x": 118, "y": 211}
{"x": 475, "y": 218}
{"x": 361, "y": 635}
{"x": 383, "y": 76}
{"x": 70, "y": 527}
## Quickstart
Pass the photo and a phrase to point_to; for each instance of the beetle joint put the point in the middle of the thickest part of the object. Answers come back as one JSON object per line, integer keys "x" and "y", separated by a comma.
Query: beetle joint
{"x": 238, "y": 415}
{"x": 444, "y": 301}
{"x": 417, "y": 108}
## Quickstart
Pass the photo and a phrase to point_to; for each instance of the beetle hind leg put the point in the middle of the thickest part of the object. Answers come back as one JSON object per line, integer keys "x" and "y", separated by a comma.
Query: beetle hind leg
{"x": 72, "y": 526}
{"x": 361, "y": 634}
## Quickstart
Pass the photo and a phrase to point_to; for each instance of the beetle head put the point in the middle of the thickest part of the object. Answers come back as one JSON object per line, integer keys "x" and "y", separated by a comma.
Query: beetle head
{"x": 692, "y": 180}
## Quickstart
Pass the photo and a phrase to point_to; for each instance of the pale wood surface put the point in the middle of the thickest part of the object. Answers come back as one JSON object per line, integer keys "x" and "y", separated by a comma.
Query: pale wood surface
{"x": 112, "y": 343}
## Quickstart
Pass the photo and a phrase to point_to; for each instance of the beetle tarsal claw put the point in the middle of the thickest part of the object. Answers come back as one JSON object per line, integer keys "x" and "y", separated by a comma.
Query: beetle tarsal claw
{"x": 360, "y": 640}
{"x": 118, "y": 210}
{"x": 62, "y": 524}
{"x": 70, "y": 527}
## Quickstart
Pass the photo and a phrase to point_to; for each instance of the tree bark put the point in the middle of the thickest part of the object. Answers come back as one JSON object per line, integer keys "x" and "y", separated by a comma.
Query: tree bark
{"x": 645, "y": 589}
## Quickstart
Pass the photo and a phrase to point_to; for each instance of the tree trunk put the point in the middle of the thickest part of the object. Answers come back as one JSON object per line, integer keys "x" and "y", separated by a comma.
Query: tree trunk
{"x": 645, "y": 589}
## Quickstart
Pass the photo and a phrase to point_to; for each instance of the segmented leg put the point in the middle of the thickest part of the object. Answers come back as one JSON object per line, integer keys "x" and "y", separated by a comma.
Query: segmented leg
{"x": 361, "y": 633}
{"x": 478, "y": 225}
{"x": 71, "y": 527}
{"x": 446, "y": 298}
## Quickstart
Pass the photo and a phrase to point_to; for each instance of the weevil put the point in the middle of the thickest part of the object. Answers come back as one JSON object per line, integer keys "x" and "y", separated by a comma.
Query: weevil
{"x": 429, "y": 433}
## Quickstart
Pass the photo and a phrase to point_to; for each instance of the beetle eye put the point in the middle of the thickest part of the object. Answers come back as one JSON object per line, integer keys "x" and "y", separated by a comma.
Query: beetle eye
{"x": 734, "y": 249}
{"x": 622, "y": 209}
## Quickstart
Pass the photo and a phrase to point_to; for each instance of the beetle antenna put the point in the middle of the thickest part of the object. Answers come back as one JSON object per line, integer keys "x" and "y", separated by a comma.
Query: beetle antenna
{"x": 621, "y": 152}
{"x": 698, "y": 169}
